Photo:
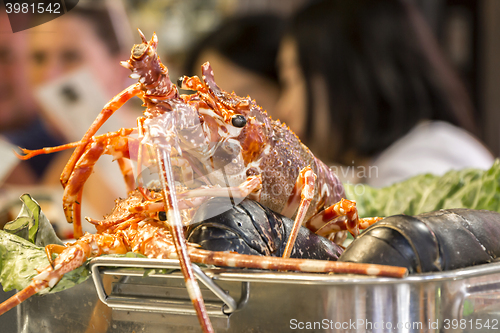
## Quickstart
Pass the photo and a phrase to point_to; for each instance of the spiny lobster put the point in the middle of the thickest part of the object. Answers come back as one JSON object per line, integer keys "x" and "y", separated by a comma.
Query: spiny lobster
{"x": 222, "y": 138}
{"x": 129, "y": 229}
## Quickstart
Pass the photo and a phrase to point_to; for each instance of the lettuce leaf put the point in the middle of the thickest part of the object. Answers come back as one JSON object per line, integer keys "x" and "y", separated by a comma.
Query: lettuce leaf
{"x": 22, "y": 250}
{"x": 468, "y": 188}
{"x": 32, "y": 225}
{"x": 18, "y": 261}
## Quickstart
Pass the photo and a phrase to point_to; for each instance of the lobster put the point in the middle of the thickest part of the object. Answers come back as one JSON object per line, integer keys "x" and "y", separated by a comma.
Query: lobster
{"x": 126, "y": 230}
{"x": 250, "y": 228}
{"x": 437, "y": 241}
{"x": 220, "y": 137}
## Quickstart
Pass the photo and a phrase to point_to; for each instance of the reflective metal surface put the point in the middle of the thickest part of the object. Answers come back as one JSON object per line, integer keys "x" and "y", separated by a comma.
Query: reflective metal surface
{"x": 467, "y": 300}
{"x": 8, "y": 321}
{"x": 145, "y": 303}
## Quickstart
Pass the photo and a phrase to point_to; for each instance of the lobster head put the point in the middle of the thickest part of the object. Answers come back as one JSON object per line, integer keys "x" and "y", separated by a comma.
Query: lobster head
{"x": 221, "y": 133}
{"x": 234, "y": 124}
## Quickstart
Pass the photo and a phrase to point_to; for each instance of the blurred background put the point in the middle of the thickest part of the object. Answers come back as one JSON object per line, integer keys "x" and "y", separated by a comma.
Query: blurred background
{"x": 56, "y": 77}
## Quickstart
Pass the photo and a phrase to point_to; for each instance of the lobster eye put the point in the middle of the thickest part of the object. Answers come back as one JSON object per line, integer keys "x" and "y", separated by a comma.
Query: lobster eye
{"x": 239, "y": 120}
{"x": 138, "y": 50}
{"x": 180, "y": 80}
{"x": 162, "y": 216}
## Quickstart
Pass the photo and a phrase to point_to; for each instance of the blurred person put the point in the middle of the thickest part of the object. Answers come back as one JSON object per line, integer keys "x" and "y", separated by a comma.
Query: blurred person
{"x": 82, "y": 37}
{"x": 74, "y": 67}
{"x": 20, "y": 122}
{"x": 242, "y": 52}
{"x": 364, "y": 84}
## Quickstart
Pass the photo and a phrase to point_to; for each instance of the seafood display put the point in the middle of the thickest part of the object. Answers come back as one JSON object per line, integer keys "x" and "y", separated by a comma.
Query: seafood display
{"x": 220, "y": 145}
{"x": 437, "y": 241}
{"x": 237, "y": 189}
{"x": 144, "y": 232}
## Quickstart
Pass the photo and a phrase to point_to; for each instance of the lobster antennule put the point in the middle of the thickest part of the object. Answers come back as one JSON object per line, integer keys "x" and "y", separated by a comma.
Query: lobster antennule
{"x": 143, "y": 38}
{"x": 154, "y": 41}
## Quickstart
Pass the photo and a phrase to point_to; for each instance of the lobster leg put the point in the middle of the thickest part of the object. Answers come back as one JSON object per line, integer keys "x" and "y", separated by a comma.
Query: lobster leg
{"x": 291, "y": 264}
{"x": 53, "y": 248}
{"x": 140, "y": 181}
{"x": 158, "y": 206}
{"x": 84, "y": 167}
{"x": 127, "y": 172}
{"x": 194, "y": 198}
{"x": 177, "y": 231}
{"x": 324, "y": 223}
{"x": 74, "y": 187}
{"x": 306, "y": 181}
{"x": 28, "y": 153}
{"x": 70, "y": 258}
{"x": 124, "y": 165}
{"x": 252, "y": 185}
{"x": 106, "y": 112}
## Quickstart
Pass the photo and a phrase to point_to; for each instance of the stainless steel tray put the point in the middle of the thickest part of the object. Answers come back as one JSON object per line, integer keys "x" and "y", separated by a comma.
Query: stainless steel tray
{"x": 466, "y": 300}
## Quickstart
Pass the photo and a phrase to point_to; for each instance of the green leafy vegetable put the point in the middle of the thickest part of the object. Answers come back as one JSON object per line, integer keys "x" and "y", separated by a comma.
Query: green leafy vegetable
{"x": 468, "y": 188}
{"x": 22, "y": 251}
{"x": 32, "y": 225}
{"x": 19, "y": 260}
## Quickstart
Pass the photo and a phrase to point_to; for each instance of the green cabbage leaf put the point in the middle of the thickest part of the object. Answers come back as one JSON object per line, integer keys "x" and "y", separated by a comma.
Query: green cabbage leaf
{"x": 467, "y": 188}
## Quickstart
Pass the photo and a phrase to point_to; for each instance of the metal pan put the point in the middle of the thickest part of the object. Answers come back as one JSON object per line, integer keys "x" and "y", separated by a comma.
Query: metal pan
{"x": 142, "y": 295}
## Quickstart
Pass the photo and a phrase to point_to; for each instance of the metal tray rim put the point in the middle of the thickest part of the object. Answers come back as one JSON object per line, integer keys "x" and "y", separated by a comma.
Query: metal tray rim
{"x": 247, "y": 275}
